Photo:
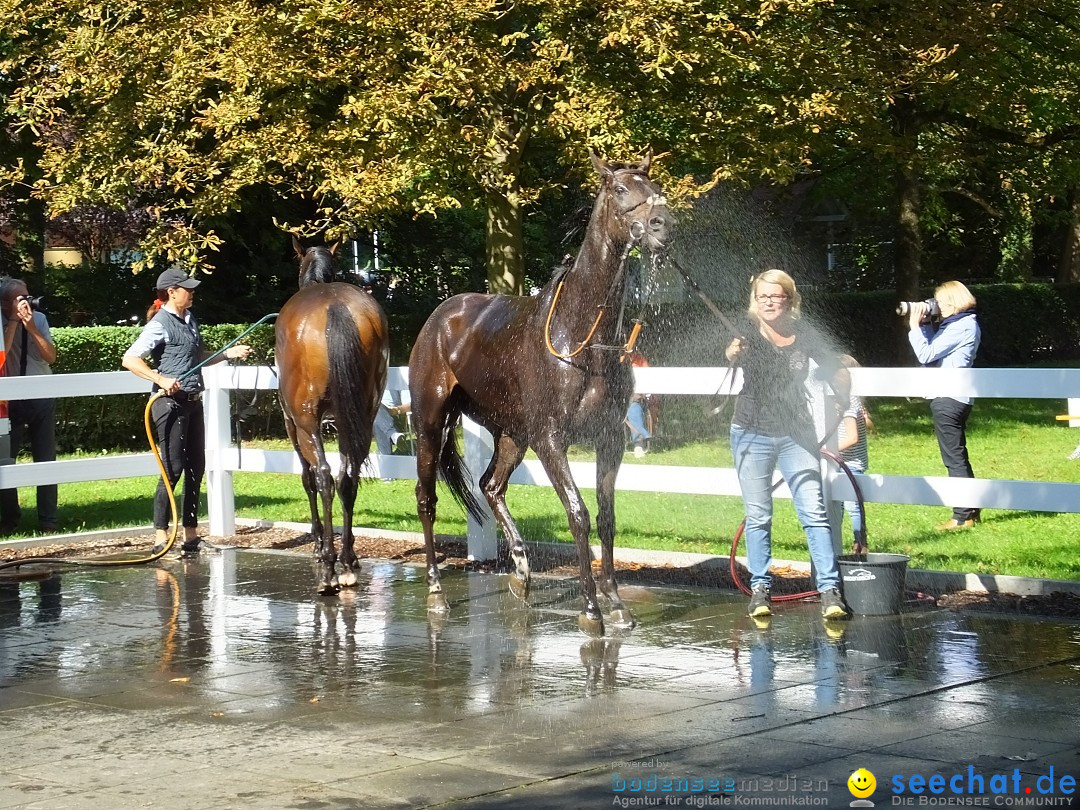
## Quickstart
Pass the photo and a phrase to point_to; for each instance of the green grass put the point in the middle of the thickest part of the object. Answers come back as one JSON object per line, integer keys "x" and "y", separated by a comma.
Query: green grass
{"x": 1008, "y": 439}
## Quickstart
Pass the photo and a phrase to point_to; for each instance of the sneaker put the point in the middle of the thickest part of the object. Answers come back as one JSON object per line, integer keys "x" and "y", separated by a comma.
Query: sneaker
{"x": 759, "y": 602}
{"x": 833, "y": 605}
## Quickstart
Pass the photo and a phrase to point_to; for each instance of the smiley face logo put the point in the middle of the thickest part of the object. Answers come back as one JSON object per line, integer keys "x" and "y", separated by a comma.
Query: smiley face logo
{"x": 861, "y": 783}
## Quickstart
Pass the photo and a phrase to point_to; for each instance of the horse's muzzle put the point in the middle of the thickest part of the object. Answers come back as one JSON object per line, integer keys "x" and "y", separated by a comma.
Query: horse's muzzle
{"x": 658, "y": 230}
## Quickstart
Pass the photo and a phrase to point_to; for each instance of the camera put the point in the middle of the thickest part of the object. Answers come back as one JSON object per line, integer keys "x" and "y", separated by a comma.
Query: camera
{"x": 35, "y": 301}
{"x": 933, "y": 310}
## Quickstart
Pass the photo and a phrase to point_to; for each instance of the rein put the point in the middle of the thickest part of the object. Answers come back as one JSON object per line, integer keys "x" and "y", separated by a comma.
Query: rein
{"x": 637, "y": 232}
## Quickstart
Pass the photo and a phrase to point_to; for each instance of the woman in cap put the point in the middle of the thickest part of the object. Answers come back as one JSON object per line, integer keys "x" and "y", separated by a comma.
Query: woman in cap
{"x": 172, "y": 340}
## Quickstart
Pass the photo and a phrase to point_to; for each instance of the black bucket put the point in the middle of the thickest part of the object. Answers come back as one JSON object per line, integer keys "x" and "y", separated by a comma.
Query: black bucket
{"x": 874, "y": 583}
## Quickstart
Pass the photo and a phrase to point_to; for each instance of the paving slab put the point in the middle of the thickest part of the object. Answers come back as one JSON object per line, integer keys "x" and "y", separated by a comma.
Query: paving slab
{"x": 224, "y": 680}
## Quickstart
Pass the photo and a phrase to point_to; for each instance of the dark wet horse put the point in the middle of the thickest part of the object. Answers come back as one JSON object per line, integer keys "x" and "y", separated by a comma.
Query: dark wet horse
{"x": 332, "y": 349}
{"x": 540, "y": 372}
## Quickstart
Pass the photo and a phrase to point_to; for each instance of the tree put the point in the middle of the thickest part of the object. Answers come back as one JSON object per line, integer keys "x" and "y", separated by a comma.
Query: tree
{"x": 930, "y": 100}
{"x": 180, "y": 109}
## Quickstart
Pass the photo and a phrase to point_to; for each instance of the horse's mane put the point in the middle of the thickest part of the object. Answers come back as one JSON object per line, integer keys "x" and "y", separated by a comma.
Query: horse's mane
{"x": 318, "y": 266}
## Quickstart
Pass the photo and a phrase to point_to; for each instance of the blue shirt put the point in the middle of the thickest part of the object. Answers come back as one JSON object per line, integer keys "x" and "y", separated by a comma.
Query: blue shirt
{"x": 951, "y": 345}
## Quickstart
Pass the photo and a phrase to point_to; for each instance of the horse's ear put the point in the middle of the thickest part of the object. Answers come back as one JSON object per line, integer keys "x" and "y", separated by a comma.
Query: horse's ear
{"x": 646, "y": 160}
{"x": 297, "y": 247}
{"x": 598, "y": 163}
{"x": 333, "y": 246}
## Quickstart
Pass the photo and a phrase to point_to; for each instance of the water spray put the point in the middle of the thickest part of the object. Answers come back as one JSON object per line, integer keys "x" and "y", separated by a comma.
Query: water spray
{"x": 158, "y": 553}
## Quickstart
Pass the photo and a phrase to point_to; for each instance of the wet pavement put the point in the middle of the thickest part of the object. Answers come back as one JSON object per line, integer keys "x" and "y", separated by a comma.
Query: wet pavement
{"x": 225, "y": 681}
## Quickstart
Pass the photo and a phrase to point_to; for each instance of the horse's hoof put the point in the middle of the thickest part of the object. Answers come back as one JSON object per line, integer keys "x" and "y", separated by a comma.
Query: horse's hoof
{"x": 519, "y": 587}
{"x": 593, "y": 627}
{"x": 348, "y": 578}
{"x": 436, "y": 603}
{"x": 623, "y": 618}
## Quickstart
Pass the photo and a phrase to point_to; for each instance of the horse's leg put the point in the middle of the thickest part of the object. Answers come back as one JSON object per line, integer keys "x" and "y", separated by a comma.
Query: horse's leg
{"x": 348, "y": 481}
{"x": 428, "y": 445}
{"x": 326, "y": 558}
{"x": 609, "y": 454}
{"x": 307, "y": 478}
{"x": 552, "y": 453}
{"x": 508, "y": 455}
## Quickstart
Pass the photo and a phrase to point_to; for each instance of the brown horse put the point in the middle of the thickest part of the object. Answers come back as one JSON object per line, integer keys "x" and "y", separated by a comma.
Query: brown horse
{"x": 540, "y": 372}
{"x": 332, "y": 349}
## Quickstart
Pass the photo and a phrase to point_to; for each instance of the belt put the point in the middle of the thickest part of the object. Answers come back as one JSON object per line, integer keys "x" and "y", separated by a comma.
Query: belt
{"x": 187, "y": 396}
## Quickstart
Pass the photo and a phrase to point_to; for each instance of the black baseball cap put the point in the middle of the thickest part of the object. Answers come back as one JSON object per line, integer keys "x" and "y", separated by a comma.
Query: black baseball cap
{"x": 175, "y": 277}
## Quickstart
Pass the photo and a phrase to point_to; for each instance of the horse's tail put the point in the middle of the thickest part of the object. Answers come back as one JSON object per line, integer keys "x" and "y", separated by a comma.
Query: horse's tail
{"x": 351, "y": 397}
{"x": 456, "y": 475}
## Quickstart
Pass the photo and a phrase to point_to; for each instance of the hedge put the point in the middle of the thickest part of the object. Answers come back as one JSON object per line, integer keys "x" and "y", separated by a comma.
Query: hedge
{"x": 100, "y": 423}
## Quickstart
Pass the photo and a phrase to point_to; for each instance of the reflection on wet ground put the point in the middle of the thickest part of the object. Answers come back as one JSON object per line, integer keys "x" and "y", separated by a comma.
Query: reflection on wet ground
{"x": 226, "y": 678}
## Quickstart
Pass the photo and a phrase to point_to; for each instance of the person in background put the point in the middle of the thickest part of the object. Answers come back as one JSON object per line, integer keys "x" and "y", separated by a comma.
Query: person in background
{"x": 172, "y": 339}
{"x": 952, "y": 343}
{"x": 640, "y": 413}
{"x": 851, "y": 442}
{"x": 30, "y": 351}
{"x": 386, "y": 433}
{"x": 773, "y": 427}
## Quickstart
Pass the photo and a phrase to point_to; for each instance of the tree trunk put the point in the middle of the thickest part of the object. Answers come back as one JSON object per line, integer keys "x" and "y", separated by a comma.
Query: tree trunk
{"x": 30, "y": 240}
{"x": 1068, "y": 269}
{"x": 908, "y": 260}
{"x": 505, "y": 251}
{"x": 1017, "y": 243}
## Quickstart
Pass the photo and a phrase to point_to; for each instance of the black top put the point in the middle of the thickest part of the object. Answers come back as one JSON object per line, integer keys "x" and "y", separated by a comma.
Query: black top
{"x": 774, "y": 400}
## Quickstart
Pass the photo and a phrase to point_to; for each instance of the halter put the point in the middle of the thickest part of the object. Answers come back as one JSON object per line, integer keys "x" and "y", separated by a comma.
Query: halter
{"x": 637, "y": 232}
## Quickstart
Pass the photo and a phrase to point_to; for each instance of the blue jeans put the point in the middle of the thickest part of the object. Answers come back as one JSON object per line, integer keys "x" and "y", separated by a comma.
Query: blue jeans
{"x": 756, "y": 457}
{"x": 635, "y": 420}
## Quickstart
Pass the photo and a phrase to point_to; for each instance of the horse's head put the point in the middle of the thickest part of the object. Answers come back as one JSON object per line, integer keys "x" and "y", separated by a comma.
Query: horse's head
{"x": 317, "y": 263}
{"x": 635, "y": 205}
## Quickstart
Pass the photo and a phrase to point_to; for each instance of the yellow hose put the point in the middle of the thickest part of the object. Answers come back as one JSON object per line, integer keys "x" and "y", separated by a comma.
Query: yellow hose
{"x": 134, "y": 560}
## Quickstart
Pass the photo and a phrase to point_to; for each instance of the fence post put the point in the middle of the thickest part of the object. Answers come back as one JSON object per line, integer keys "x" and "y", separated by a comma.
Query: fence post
{"x": 220, "y": 497}
{"x": 483, "y": 542}
{"x": 5, "y": 422}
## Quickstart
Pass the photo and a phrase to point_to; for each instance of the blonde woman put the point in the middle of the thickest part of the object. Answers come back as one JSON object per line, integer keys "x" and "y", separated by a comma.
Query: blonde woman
{"x": 952, "y": 343}
{"x": 773, "y": 427}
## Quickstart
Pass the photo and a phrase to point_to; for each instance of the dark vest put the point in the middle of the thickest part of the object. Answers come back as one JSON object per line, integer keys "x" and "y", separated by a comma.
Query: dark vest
{"x": 180, "y": 352}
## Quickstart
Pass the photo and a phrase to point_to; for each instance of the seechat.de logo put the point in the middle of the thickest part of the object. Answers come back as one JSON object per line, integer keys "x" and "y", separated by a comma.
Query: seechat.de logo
{"x": 861, "y": 784}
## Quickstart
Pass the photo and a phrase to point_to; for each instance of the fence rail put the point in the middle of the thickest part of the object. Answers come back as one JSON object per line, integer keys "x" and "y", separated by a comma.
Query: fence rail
{"x": 223, "y": 460}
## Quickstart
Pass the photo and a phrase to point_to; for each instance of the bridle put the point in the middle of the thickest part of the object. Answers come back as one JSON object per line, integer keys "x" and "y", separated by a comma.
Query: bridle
{"x": 637, "y": 231}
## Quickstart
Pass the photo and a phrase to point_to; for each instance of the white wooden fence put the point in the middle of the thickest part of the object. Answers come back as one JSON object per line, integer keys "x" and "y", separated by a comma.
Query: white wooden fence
{"x": 223, "y": 460}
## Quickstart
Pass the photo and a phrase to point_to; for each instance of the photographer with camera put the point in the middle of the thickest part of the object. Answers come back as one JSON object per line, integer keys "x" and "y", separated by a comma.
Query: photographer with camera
{"x": 949, "y": 343}
{"x": 30, "y": 350}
